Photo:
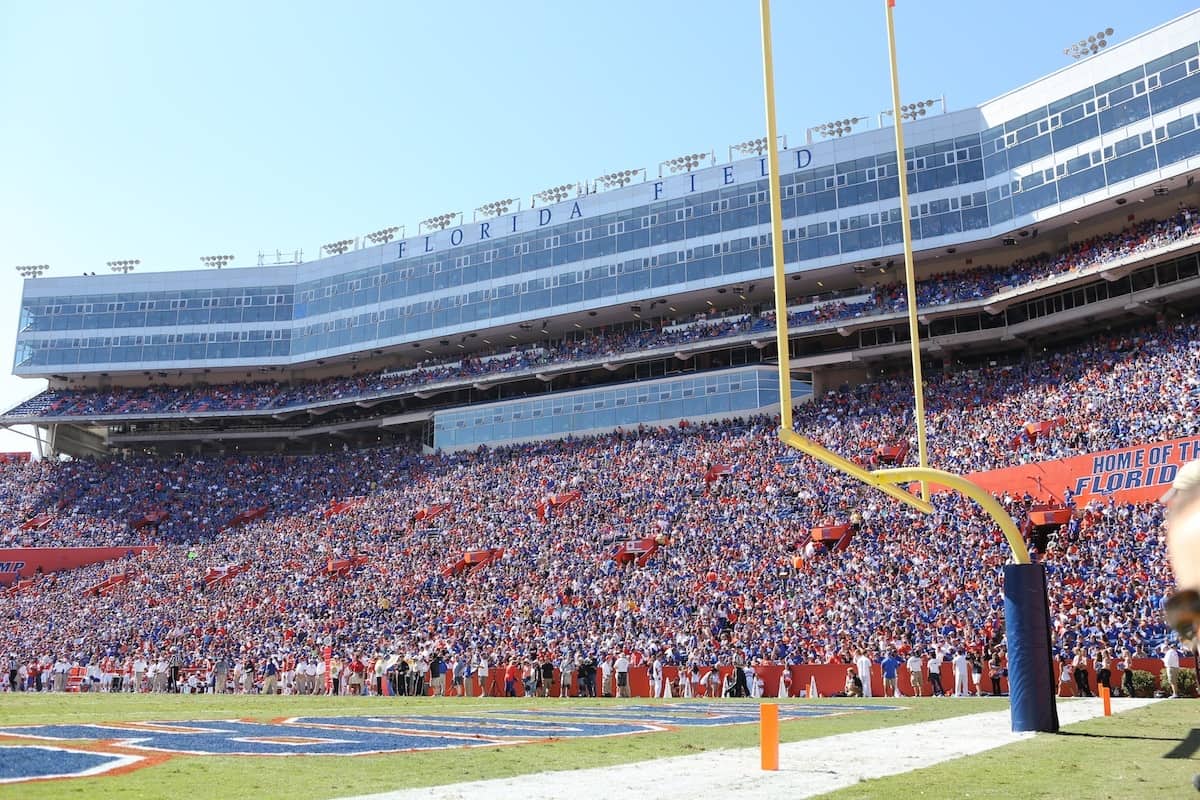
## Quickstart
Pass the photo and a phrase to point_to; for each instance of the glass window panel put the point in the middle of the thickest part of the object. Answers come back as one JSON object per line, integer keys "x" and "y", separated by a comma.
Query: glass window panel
{"x": 1176, "y": 57}
{"x": 1120, "y": 169}
{"x": 1123, "y": 114}
{"x": 1175, "y": 94}
{"x": 1178, "y": 148}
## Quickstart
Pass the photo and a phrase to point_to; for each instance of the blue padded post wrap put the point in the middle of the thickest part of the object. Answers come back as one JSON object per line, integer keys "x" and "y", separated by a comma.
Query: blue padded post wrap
{"x": 1030, "y": 669}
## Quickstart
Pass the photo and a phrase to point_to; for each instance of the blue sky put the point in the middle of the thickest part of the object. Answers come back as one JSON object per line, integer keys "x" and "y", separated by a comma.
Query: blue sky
{"x": 162, "y": 132}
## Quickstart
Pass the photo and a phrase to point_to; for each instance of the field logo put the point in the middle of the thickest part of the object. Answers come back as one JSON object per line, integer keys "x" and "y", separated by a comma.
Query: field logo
{"x": 130, "y": 744}
{"x": 30, "y": 762}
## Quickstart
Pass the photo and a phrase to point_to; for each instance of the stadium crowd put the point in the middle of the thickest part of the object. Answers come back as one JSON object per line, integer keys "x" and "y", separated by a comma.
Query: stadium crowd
{"x": 1117, "y": 390}
{"x": 362, "y": 552}
{"x": 936, "y": 290}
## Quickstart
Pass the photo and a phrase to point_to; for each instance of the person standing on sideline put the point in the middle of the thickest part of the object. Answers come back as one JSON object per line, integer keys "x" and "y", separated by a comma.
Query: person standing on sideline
{"x": 995, "y": 671}
{"x": 438, "y": 674}
{"x": 891, "y": 666}
{"x": 785, "y": 683}
{"x": 915, "y": 676}
{"x": 1104, "y": 670}
{"x": 482, "y": 674}
{"x": 1065, "y": 677}
{"x": 621, "y": 666}
{"x": 176, "y": 667}
{"x": 270, "y": 676}
{"x": 566, "y": 672}
{"x": 545, "y": 676}
{"x": 656, "y": 676}
{"x": 1126, "y": 667}
{"x": 606, "y": 671}
{"x": 961, "y": 674}
{"x": 586, "y": 670}
{"x": 1170, "y": 661}
{"x": 62, "y": 667}
{"x": 511, "y": 676}
{"x": 1079, "y": 670}
{"x": 976, "y": 674}
{"x": 935, "y": 675}
{"x": 862, "y": 663}
{"x": 462, "y": 674}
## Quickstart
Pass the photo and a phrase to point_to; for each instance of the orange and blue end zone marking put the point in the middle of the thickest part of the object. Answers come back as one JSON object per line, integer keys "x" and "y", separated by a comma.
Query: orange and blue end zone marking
{"x": 121, "y": 746}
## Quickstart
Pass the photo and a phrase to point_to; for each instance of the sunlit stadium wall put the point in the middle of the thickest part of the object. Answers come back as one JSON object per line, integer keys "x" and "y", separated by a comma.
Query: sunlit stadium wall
{"x": 1126, "y": 118}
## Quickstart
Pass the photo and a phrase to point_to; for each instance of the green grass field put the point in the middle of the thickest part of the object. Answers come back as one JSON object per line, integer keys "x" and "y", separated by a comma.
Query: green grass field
{"x": 1124, "y": 756}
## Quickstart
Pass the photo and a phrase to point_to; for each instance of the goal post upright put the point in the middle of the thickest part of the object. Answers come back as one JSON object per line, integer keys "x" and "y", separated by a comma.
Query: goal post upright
{"x": 910, "y": 280}
{"x": 786, "y": 429}
{"x": 1031, "y": 672}
{"x": 781, "y": 327}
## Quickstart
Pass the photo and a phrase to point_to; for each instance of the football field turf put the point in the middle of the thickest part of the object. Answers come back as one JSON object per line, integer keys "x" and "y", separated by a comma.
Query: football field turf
{"x": 1147, "y": 752}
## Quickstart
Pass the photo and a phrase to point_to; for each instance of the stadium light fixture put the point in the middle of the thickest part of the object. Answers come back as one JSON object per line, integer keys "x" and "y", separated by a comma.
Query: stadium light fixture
{"x": 215, "y": 261}
{"x": 32, "y": 270}
{"x": 496, "y": 208}
{"x": 686, "y": 163}
{"x": 338, "y": 247}
{"x": 834, "y": 129}
{"x": 1089, "y": 46}
{"x": 124, "y": 266}
{"x": 385, "y": 235}
{"x": 615, "y": 180}
{"x": 440, "y": 222}
{"x": 755, "y": 147}
{"x": 912, "y": 111}
{"x": 281, "y": 257}
{"x": 555, "y": 194}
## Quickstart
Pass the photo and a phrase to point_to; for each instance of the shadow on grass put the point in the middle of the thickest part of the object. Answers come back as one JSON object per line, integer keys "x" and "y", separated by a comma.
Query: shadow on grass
{"x": 1186, "y": 748}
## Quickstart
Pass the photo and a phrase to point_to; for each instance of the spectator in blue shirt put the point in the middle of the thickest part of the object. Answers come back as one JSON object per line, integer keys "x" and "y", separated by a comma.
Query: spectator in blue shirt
{"x": 890, "y": 665}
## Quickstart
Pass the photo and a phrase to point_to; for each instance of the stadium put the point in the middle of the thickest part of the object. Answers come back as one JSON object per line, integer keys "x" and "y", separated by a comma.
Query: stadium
{"x": 514, "y": 480}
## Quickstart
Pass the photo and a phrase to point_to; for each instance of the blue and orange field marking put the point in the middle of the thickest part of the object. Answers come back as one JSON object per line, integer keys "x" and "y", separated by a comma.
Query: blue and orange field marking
{"x": 80, "y": 750}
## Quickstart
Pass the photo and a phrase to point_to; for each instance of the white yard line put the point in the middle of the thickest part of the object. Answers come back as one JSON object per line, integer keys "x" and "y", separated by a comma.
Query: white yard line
{"x": 807, "y": 769}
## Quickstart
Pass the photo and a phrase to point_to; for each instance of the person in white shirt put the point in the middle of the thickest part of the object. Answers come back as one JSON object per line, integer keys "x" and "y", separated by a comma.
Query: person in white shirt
{"x": 863, "y": 664}
{"x": 785, "y": 682}
{"x": 566, "y": 674}
{"x": 139, "y": 674}
{"x": 481, "y": 672}
{"x": 961, "y": 671}
{"x": 656, "y": 677}
{"x": 421, "y": 674}
{"x": 606, "y": 670}
{"x": 621, "y": 667}
{"x": 61, "y": 668}
{"x": 1170, "y": 660}
{"x": 916, "y": 676}
{"x": 314, "y": 674}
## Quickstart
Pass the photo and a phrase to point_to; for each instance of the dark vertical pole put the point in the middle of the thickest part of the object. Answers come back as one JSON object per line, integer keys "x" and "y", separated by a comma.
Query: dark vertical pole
{"x": 1030, "y": 668}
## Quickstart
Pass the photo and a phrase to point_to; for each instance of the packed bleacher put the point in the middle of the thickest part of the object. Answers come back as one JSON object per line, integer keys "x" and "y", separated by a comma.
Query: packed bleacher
{"x": 942, "y": 289}
{"x": 363, "y": 552}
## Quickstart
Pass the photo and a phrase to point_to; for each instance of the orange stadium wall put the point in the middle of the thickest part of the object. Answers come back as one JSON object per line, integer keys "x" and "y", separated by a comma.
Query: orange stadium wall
{"x": 22, "y": 562}
{"x": 831, "y": 678}
{"x": 1128, "y": 475}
